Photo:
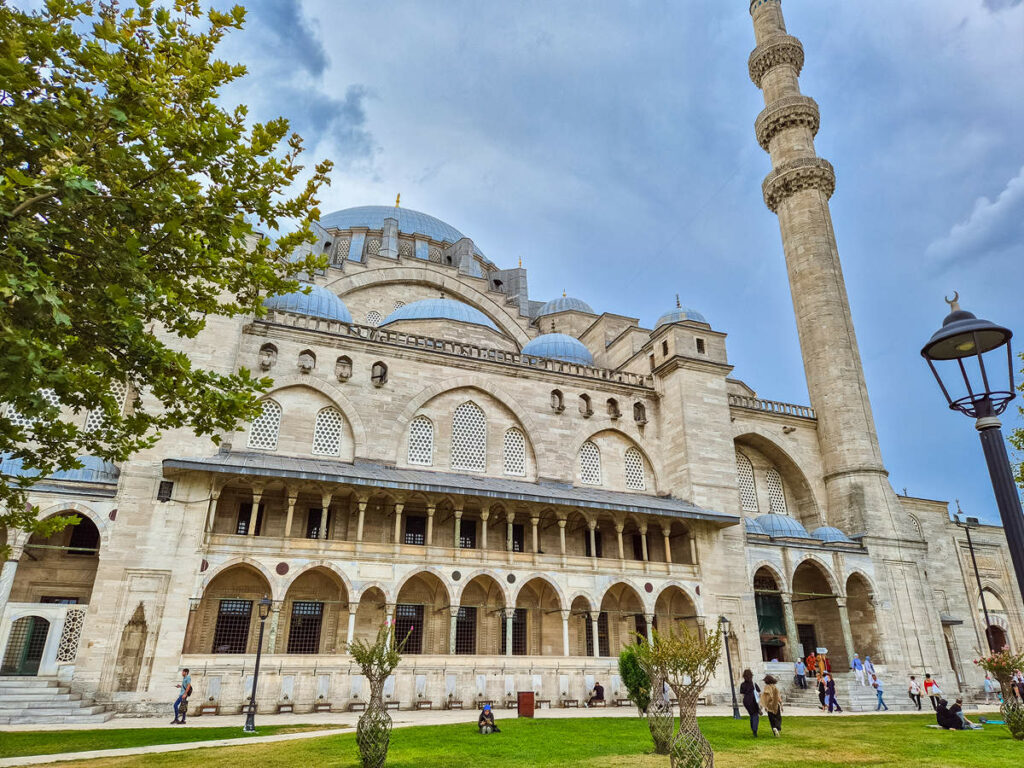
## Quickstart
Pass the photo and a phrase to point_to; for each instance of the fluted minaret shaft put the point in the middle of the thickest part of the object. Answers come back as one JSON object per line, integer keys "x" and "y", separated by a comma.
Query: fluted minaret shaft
{"x": 798, "y": 190}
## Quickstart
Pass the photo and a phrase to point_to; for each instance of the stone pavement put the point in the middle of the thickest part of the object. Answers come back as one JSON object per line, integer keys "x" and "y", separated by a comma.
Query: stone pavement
{"x": 344, "y": 722}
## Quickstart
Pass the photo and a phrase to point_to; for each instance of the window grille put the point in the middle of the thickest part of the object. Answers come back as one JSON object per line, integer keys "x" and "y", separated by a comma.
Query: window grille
{"x": 588, "y": 627}
{"x": 590, "y": 464}
{"x": 304, "y": 631}
{"x": 640, "y": 621}
{"x": 748, "y": 491}
{"x": 415, "y": 530}
{"x": 373, "y": 246}
{"x": 467, "y": 534}
{"x": 469, "y": 438}
{"x": 421, "y": 441}
{"x": 97, "y": 419}
{"x": 244, "y": 511}
{"x": 406, "y": 250}
{"x": 399, "y": 304}
{"x": 327, "y": 432}
{"x": 465, "y": 631}
{"x": 313, "y": 522}
{"x": 231, "y": 634}
{"x": 435, "y": 254}
{"x": 518, "y": 537}
{"x": 518, "y": 633}
{"x": 515, "y": 453}
{"x": 603, "y": 646}
{"x": 634, "y": 462}
{"x": 776, "y": 495}
{"x": 19, "y": 420}
{"x": 266, "y": 427}
{"x": 373, "y": 318}
{"x": 409, "y": 621}
{"x": 341, "y": 248}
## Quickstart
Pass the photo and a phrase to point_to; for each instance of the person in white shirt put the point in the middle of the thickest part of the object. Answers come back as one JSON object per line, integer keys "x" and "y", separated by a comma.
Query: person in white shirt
{"x": 914, "y": 690}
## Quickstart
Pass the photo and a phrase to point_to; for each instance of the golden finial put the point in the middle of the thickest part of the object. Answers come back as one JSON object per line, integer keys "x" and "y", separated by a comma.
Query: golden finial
{"x": 678, "y": 305}
{"x": 398, "y": 199}
{"x": 954, "y": 303}
{"x": 520, "y": 262}
{"x": 563, "y": 293}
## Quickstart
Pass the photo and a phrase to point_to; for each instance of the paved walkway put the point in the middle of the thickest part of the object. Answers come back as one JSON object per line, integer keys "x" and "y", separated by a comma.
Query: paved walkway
{"x": 344, "y": 723}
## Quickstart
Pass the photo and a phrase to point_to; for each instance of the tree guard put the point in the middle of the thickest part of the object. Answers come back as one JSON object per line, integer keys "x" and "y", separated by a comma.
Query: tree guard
{"x": 376, "y": 660}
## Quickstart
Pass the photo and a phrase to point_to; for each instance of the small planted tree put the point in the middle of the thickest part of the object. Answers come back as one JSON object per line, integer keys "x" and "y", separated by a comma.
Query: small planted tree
{"x": 636, "y": 680}
{"x": 646, "y": 687}
{"x": 377, "y": 660}
{"x": 1001, "y": 665}
{"x": 685, "y": 661}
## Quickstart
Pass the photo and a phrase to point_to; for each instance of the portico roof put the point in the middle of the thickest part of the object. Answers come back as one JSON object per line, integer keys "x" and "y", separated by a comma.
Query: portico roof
{"x": 375, "y": 475}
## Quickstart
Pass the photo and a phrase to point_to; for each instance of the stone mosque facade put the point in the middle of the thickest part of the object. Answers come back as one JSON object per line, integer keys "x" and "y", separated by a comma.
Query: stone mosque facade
{"x": 522, "y": 486}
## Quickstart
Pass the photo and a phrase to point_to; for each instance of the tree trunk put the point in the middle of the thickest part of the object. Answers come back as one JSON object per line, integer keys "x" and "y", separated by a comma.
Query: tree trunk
{"x": 689, "y": 747}
{"x": 660, "y": 718}
{"x": 373, "y": 732}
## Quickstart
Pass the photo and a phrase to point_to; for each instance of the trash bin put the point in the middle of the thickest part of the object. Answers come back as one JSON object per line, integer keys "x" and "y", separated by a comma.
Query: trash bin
{"x": 525, "y": 703}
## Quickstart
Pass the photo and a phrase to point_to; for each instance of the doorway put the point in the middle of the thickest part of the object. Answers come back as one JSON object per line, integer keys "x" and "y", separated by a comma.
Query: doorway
{"x": 25, "y": 646}
{"x": 808, "y": 638}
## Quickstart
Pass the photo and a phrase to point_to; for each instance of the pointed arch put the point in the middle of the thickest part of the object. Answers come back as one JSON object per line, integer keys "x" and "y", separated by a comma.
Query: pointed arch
{"x": 265, "y": 429}
{"x": 469, "y": 438}
{"x": 420, "y": 448}
{"x": 745, "y": 480}
{"x": 332, "y": 393}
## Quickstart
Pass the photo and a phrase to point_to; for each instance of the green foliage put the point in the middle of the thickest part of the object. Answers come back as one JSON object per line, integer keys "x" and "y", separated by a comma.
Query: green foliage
{"x": 128, "y": 198}
{"x": 378, "y": 659}
{"x": 637, "y": 682}
{"x": 685, "y": 660}
{"x": 1017, "y": 436}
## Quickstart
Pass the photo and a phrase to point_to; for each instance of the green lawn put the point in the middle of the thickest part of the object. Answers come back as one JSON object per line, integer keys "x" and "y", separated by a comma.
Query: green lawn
{"x": 807, "y": 742}
{"x": 17, "y": 743}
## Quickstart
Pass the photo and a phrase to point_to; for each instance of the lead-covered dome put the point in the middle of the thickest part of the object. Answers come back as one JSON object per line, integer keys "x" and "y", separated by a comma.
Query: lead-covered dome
{"x": 93, "y": 470}
{"x": 440, "y": 309}
{"x": 782, "y": 527}
{"x": 829, "y": 535}
{"x": 559, "y": 346}
{"x": 753, "y": 526}
{"x": 565, "y": 304}
{"x": 679, "y": 315}
{"x": 319, "y": 302}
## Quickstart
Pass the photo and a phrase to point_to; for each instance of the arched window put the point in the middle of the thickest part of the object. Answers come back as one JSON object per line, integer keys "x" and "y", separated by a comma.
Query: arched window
{"x": 379, "y": 374}
{"x": 97, "y": 418}
{"x": 343, "y": 368}
{"x": 327, "y": 432}
{"x": 634, "y": 463}
{"x": 557, "y": 401}
{"x": 586, "y": 408}
{"x": 373, "y": 318}
{"x": 469, "y": 438}
{"x": 421, "y": 442}
{"x": 613, "y": 408}
{"x": 639, "y": 413}
{"x": 590, "y": 464}
{"x": 776, "y": 495}
{"x": 515, "y": 452}
{"x": 266, "y": 427}
{"x": 745, "y": 475}
{"x": 399, "y": 304}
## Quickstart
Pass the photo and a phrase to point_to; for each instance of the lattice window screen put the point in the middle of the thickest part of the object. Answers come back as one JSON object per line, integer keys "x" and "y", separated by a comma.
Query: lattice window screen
{"x": 406, "y": 249}
{"x": 748, "y": 491}
{"x": 71, "y": 635}
{"x": 24, "y": 421}
{"x": 399, "y": 304}
{"x": 341, "y": 248}
{"x": 776, "y": 496}
{"x": 266, "y": 427}
{"x": 373, "y": 246}
{"x": 515, "y": 452}
{"x": 373, "y": 318}
{"x": 327, "y": 432}
{"x": 96, "y": 418}
{"x": 421, "y": 441}
{"x": 590, "y": 464}
{"x": 469, "y": 438}
{"x": 634, "y": 464}
{"x": 435, "y": 254}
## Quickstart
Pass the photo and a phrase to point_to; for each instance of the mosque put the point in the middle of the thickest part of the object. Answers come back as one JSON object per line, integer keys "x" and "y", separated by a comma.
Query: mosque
{"x": 522, "y": 485}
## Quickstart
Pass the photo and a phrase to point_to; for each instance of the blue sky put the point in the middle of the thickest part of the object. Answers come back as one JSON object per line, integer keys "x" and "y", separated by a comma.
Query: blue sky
{"x": 610, "y": 146}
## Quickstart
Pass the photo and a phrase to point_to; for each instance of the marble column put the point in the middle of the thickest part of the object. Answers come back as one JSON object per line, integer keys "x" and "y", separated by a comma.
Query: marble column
{"x": 293, "y": 497}
{"x": 643, "y": 541}
{"x": 594, "y": 616}
{"x": 10, "y": 568}
{"x": 565, "y": 631}
{"x": 389, "y": 614}
{"x": 257, "y": 497}
{"x": 534, "y": 522}
{"x": 592, "y": 525}
{"x": 362, "y": 518}
{"x": 399, "y": 506}
{"x": 665, "y": 532}
{"x": 351, "y": 635}
{"x": 510, "y": 614}
{"x": 792, "y": 638}
{"x": 649, "y": 618}
{"x": 844, "y": 622}
{"x": 484, "y": 514}
{"x": 452, "y": 628}
{"x": 561, "y": 535}
{"x": 325, "y": 508}
{"x": 430, "y": 524}
{"x": 275, "y": 617}
{"x": 458, "y": 532}
{"x": 509, "y": 519}
{"x": 618, "y": 535}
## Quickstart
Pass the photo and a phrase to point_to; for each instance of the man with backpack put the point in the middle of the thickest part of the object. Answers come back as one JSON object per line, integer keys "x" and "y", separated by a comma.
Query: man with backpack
{"x": 181, "y": 703}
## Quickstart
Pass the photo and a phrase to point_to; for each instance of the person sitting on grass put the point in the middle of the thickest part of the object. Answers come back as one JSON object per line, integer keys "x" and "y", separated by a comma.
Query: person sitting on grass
{"x": 485, "y": 723}
{"x": 598, "y": 694}
{"x": 958, "y": 710}
{"x": 947, "y": 719}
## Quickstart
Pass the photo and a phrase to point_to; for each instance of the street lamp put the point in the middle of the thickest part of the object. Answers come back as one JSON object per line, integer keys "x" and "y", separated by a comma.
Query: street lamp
{"x": 250, "y": 717}
{"x": 972, "y": 522}
{"x": 964, "y": 339}
{"x": 724, "y": 624}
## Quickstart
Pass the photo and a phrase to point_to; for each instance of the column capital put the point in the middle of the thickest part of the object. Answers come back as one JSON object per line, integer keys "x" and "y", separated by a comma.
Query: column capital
{"x": 619, "y": 527}
{"x": 431, "y": 508}
{"x": 510, "y": 613}
{"x": 399, "y": 506}
{"x": 841, "y": 601}
{"x": 353, "y": 605}
{"x": 485, "y": 512}
{"x": 566, "y": 613}
{"x": 534, "y": 519}
{"x": 510, "y": 516}
{"x": 454, "y": 610}
{"x": 595, "y": 615}
{"x": 592, "y": 524}
{"x": 458, "y": 513}
{"x": 643, "y": 529}
{"x": 561, "y": 522}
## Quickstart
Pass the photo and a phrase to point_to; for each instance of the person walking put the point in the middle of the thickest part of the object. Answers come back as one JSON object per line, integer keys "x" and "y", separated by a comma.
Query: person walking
{"x": 749, "y": 691}
{"x": 858, "y": 668}
{"x": 812, "y": 663}
{"x": 990, "y": 688}
{"x": 800, "y": 670}
{"x": 830, "y": 694}
{"x": 181, "y": 703}
{"x": 771, "y": 702}
{"x": 821, "y": 690}
{"x": 932, "y": 691}
{"x": 877, "y": 685}
{"x": 869, "y": 667}
{"x": 914, "y": 691}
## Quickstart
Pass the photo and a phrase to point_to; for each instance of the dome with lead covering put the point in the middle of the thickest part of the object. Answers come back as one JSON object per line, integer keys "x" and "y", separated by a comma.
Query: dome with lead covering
{"x": 829, "y": 535}
{"x": 679, "y": 315}
{"x": 319, "y": 302}
{"x": 559, "y": 346}
{"x": 440, "y": 309}
{"x": 93, "y": 470}
{"x": 753, "y": 526}
{"x": 565, "y": 304}
{"x": 782, "y": 527}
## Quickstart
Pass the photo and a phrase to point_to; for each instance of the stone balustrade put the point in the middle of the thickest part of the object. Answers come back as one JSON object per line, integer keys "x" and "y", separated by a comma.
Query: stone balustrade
{"x": 771, "y": 406}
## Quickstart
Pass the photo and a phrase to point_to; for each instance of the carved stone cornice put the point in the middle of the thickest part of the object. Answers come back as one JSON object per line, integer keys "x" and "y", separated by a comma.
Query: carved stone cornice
{"x": 786, "y": 113}
{"x": 796, "y": 175}
{"x": 774, "y": 51}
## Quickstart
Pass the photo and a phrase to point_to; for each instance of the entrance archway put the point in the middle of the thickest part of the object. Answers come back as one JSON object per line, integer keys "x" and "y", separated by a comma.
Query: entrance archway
{"x": 25, "y": 646}
{"x": 227, "y": 617}
{"x": 421, "y": 612}
{"x": 312, "y": 615}
{"x": 674, "y": 607}
{"x": 537, "y": 624}
{"x": 863, "y": 626}
{"x": 478, "y": 623}
{"x": 771, "y": 619}
{"x": 60, "y": 568}
{"x": 816, "y": 611}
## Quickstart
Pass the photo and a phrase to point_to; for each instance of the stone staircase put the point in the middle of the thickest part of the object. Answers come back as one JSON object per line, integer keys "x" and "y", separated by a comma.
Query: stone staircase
{"x": 852, "y": 696}
{"x": 44, "y": 701}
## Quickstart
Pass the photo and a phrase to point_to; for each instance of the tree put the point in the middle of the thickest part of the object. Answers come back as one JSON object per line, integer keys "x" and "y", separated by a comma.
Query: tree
{"x": 1017, "y": 436}
{"x": 376, "y": 660}
{"x": 636, "y": 680}
{"x": 127, "y": 202}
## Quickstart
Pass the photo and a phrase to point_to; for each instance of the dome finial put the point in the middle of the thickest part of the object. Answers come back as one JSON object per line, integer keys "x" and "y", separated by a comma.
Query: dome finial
{"x": 398, "y": 199}
{"x": 520, "y": 262}
{"x": 678, "y": 305}
{"x": 954, "y": 303}
{"x": 564, "y": 294}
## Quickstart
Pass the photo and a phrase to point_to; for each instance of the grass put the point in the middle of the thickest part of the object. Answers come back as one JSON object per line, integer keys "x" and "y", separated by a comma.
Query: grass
{"x": 807, "y": 742}
{"x": 19, "y": 743}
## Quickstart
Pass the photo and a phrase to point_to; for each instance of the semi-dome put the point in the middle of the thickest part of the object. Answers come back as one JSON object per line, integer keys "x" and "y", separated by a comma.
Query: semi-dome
{"x": 319, "y": 302}
{"x": 565, "y": 304}
{"x": 559, "y": 346}
{"x": 753, "y": 526}
{"x": 782, "y": 527}
{"x": 440, "y": 309}
{"x": 93, "y": 470}
{"x": 829, "y": 535}
{"x": 680, "y": 314}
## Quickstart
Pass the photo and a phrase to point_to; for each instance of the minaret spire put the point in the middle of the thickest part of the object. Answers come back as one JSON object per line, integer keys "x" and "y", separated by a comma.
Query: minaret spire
{"x": 859, "y": 498}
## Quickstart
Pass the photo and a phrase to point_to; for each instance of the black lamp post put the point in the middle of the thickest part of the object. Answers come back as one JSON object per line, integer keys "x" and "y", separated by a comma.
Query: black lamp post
{"x": 964, "y": 339}
{"x": 724, "y": 624}
{"x": 250, "y": 717}
{"x": 972, "y": 522}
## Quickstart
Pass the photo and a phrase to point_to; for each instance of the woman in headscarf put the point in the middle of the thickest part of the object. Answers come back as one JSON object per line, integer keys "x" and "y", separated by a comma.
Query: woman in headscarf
{"x": 749, "y": 691}
{"x": 485, "y": 723}
{"x": 821, "y": 690}
{"x": 771, "y": 702}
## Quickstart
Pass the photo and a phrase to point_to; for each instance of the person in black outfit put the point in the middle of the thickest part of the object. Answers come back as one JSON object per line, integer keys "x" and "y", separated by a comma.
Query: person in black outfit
{"x": 598, "y": 694}
{"x": 946, "y": 718}
{"x": 821, "y": 691}
{"x": 830, "y": 694}
{"x": 751, "y": 695}
{"x": 485, "y": 723}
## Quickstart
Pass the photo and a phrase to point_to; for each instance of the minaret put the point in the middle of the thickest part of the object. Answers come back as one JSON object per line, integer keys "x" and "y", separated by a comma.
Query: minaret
{"x": 798, "y": 189}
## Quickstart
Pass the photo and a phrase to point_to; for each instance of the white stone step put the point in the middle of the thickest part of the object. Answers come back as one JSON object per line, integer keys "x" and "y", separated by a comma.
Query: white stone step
{"x": 7, "y": 683}
{"x": 33, "y": 695}
{"x": 61, "y": 719}
{"x": 47, "y": 709}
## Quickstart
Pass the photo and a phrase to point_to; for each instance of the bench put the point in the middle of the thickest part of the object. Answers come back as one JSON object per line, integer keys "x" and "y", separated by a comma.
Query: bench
{"x": 454, "y": 703}
{"x": 543, "y": 703}
{"x": 356, "y": 706}
{"x": 597, "y": 703}
{"x": 623, "y": 702}
{"x": 700, "y": 700}
{"x": 209, "y": 709}
{"x": 246, "y": 709}
{"x": 282, "y": 708}
{"x": 479, "y": 704}
{"x": 424, "y": 704}
{"x": 322, "y": 706}
{"x": 390, "y": 705}
{"x": 566, "y": 703}
{"x": 512, "y": 704}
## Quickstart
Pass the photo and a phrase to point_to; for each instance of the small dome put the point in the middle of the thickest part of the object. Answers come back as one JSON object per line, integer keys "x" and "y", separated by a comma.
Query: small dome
{"x": 782, "y": 527}
{"x": 440, "y": 309}
{"x": 565, "y": 304}
{"x": 319, "y": 302}
{"x": 94, "y": 470}
{"x": 678, "y": 315}
{"x": 830, "y": 535}
{"x": 559, "y": 346}
{"x": 753, "y": 526}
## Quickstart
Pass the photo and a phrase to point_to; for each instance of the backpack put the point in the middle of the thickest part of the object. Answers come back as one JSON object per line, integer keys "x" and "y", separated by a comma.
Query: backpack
{"x": 188, "y": 692}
